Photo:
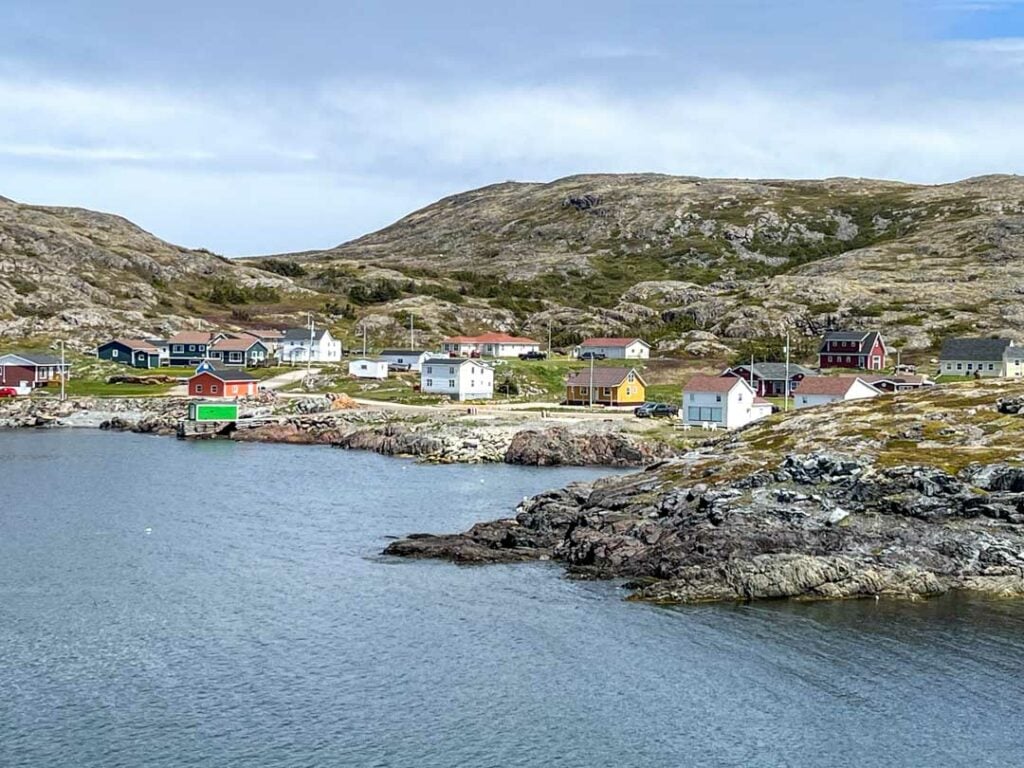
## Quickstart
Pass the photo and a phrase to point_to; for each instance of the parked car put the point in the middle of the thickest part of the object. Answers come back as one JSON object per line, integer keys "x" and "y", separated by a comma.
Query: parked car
{"x": 655, "y": 410}
{"x": 8, "y": 392}
{"x": 592, "y": 356}
{"x": 533, "y": 356}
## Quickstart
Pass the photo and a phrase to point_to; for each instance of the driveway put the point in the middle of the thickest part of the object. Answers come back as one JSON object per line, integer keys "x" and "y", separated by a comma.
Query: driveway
{"x": 283, "y": 379}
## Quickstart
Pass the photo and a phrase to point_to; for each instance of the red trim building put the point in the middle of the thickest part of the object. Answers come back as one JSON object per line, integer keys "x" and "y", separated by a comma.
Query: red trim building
{"x": 221, "y": 383}
{"x": 852, "y": 349}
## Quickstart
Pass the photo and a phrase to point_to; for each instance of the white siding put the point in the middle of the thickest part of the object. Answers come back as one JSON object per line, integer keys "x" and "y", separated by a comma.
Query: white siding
{"x": 458, "y": 379}
{"x": 368, "y": 369}
{"x": 729, "y": 410}
{"x": 637, "y": 350}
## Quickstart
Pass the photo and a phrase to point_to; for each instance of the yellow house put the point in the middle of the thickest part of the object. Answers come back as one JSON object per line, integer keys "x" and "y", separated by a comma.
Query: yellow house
{"x": 605, "y": 386}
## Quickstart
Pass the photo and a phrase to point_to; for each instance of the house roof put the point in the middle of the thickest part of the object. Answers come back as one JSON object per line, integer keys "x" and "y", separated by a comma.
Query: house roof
{"x": 866, "y": 339}
{"x": 137, "y": 344}
{"x": 32, "y": 358}
{"x": 302, "y": 334}
{"x": 828, "y": 385}
{"x": 403, "y": 352}
{"x": 611, "y": 341}
{"x": 1014, "y": 353}
{"x": 761, "y": 401}
{"x": 900, "y": 378}
{"x": 266, "y": 333}
{"x": 704, "y": 383}
{"x": 773, "y": 371}
{"x": 603, "y": 377}
{"x": 974, "y": 349}
{"x": 489, "y": 338}
{"x": 235, "y": 344}
{"x": 226, "y": 374}
{"x": 191, "y": 337}
{"x": 453, "y": 361}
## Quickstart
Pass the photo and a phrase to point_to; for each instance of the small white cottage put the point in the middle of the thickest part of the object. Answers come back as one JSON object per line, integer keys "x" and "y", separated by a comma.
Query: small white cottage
{"x": 458, "y": 378}
{"x": 721, "y": 402}
{"x": 821, "y": 390}
{"x": 404, "y": 359}
{"x": 368, "y": 369}
{"x": 615, "y": 348}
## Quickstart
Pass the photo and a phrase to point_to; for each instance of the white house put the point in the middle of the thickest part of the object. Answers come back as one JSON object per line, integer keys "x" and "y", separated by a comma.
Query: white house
{"x": 368, "y": 369}
{"x": 611, "y": 348}
{"x": 413, "y": 358}
{"x": 488, "y": 345}
{"x": 459, "y": 379}
{"x": 722, "y": 401}
{"x": 296, "y": 346}
{"x": 980, "y": 357}
{"x": 820, "y": 390}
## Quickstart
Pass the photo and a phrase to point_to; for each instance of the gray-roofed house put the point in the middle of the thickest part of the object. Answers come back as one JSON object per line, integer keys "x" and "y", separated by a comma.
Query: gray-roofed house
{"x": 296, "y": 346}
{"x": 769, "y": 379}
{"x": 29, "y": 370}
{"x": 975, "y": 357}
{"x": 1014, "y": 360}
{"x": 405, "y": 359}
{"x": 864, "y": 350}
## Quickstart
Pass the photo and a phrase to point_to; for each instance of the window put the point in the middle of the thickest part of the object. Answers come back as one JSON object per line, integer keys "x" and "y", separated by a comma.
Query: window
{"x": 697, "y": 413}
{"x": 451, "y": 371}
{"x": 718, "y": 398}
{"x": 179, "y": 348}
{"x": 629, "y": 391}
{"x": 849, "y": 359}
{"x": 959, "y": 366}
{"x": 199, "y": 387}
{"x": 213, "y": 389}
{"x": 430, "y": 369}
{"x": 991, "y": 366}
{"x": 113, "y": 353}
{"x": 430, "y": 382}
{"x": 970, "y": 366}
{"x": 451, "y": 383}
{"x": 191, "y": 347}
{"x": 692, "y": 397}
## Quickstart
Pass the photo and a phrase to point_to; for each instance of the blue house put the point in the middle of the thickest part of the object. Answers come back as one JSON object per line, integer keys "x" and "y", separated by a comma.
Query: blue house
{"x": 134, "y": 352}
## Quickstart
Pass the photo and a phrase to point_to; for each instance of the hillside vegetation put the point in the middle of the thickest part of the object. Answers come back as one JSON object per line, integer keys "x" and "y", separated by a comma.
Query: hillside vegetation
{"x": 710, "y": 269}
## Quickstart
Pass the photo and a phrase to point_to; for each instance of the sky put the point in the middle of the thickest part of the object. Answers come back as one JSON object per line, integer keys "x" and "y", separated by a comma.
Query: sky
{"x": 252, "y": 127}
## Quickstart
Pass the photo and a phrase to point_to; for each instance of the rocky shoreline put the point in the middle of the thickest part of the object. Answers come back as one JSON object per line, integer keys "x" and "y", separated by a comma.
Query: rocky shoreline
{"x": 436, "y": 439}
{"x": 739, "y": 522}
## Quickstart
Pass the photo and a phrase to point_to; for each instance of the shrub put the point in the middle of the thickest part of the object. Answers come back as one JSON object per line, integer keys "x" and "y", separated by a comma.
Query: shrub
{"x": 282, "y": 267}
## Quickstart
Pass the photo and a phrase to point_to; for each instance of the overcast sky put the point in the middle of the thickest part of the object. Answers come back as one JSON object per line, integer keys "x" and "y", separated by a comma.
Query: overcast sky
{"x": 256, "y": 127}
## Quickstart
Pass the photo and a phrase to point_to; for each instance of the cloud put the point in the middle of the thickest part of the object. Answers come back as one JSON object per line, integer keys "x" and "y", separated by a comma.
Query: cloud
{"x": 247, "y": 172}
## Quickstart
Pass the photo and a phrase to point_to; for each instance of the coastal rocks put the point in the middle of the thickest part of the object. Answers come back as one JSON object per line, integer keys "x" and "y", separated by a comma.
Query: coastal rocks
{"x": 820, "y": 525}
{"x": 558, "y": 445}
{"x": 1010, "y": 405}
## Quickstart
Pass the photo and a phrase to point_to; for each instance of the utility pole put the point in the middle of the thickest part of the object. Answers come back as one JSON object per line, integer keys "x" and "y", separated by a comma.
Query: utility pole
{"x": 412, "y": 334}
{"x": 549, "y": 338}
{"x": 63, "y": 372}
{"x": 591, "y": 388}
{"x": 364, "y": 339}
{"x": 786, "y": 385}
{"x": 309, "y": 352}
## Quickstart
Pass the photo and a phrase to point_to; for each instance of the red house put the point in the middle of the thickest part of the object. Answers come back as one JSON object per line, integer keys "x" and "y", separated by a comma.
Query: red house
{"x": 217, "y": 382}
{"x": 21, "y": 369}
{"x": 852, "y": 349}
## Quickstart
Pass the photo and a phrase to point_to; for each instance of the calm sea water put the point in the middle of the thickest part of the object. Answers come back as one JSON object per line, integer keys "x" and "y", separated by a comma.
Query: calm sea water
{"x": 216, "y": 604}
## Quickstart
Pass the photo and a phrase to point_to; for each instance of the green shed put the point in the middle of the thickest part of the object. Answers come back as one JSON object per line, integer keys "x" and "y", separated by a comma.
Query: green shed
{"x": 212, "y": 411}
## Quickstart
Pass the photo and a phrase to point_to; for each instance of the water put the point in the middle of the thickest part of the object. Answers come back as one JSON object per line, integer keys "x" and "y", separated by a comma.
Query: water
{"x": 219, "y": 604}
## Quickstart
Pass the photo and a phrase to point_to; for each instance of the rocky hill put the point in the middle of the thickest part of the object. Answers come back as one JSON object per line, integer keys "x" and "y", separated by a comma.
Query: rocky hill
{"x": 909, "y": 496}
{"x": 693, "y": 261}
{"x": 706, "y": 268}
{"x": 72, "y": 271}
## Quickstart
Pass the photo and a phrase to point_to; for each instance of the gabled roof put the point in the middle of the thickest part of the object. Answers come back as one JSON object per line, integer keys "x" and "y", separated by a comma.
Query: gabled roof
{"x": 1014, "y": 353}
{"x": 267, "y": 334}
{"x": 899, "y": 378}
{"x": 603, "y": 377}
{"x": 866, "y": 340}
{"x": 974, "y": 349}
{"x": 453, "y": 361}
{"x": 829, "y": 385}
{"x": 235, "y": 344}
{"x": 489, "y": 338}
{"x": 302, "y": 334}
{"x": 139, "y": 345}
{"x": 403, "y": 352}
{"x": 719, "y": 384}
{"x": 226, "y": 374}
{"x": 773, "y": 371}
{"x": 611, "y": 341}
{"x": 191, "y": 337}
{"x": 29, "y": 357}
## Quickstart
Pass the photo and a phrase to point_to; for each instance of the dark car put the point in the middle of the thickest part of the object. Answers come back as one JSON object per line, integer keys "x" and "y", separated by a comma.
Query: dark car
{"x": 655, "y": 410}
{"x": 533, "y": 356}
{"x": 592, "y": 356}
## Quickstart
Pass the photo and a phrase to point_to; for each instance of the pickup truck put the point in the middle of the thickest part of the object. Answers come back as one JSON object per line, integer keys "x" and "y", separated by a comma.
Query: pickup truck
{"x": 654, "y": 410}
{"x": 533, "y": 356}
{"x": 592, "y": 356}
